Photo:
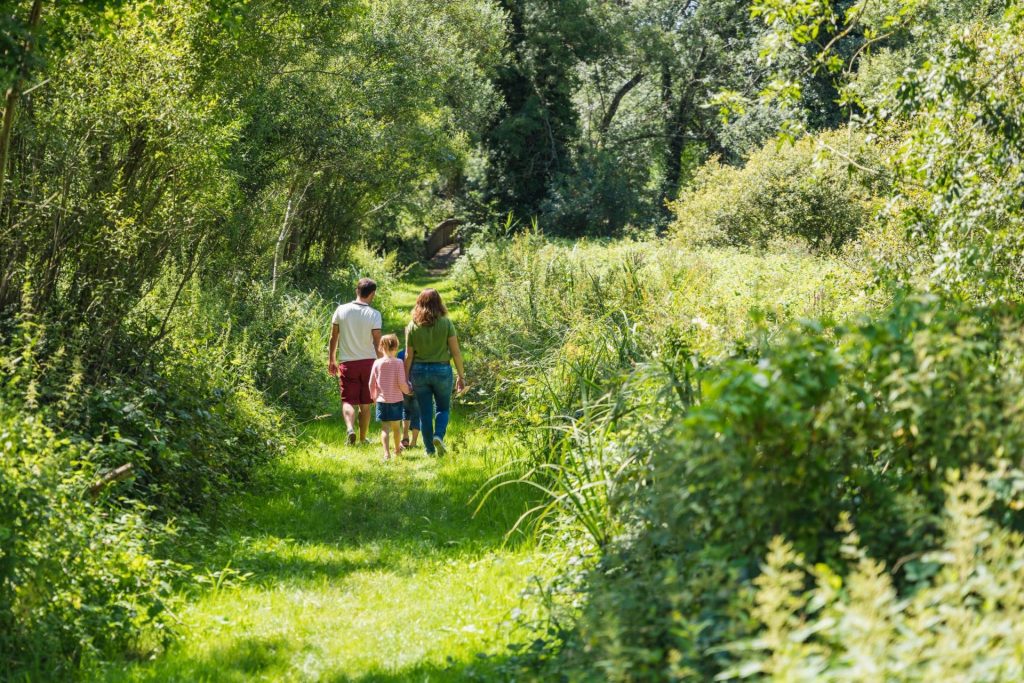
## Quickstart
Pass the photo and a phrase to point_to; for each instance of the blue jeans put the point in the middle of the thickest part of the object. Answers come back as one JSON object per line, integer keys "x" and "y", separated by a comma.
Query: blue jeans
{"x": 411, "y": 411}
{"x": 432, "y": 383}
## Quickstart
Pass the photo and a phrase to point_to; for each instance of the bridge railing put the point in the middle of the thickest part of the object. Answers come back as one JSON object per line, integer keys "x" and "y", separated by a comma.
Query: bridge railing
{"x": 446, "y": 233}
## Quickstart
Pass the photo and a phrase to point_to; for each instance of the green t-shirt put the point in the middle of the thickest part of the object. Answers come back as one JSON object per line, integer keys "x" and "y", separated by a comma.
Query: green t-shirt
{"x": 430, "y": 344}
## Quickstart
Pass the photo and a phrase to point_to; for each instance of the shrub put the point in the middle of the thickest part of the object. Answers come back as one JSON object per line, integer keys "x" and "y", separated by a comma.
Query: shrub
{"x": 197, "y": 391}
{"x": 600, "y": 197}
{"x": 960, "y": 623}
{"x": 809, "y": 433}
{"x": 553, "y": 322}
{"x": 805, "y": 192}
{"x": 78, "y": 579}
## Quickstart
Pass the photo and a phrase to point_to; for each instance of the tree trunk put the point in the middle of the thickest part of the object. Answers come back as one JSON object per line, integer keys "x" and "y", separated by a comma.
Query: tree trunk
{"x": 14, "y": 92}
{"x": 283, "y": 234}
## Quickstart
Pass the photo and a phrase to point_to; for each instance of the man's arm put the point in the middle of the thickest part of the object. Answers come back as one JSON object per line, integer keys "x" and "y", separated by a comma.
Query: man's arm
{"x": 376, "y": 344}
{"x": 332, "y": 362}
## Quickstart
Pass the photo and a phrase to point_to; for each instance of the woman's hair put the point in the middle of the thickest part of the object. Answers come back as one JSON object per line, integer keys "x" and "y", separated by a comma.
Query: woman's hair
{"x": 429, "y": 308}
{"x": 389, "y": 343}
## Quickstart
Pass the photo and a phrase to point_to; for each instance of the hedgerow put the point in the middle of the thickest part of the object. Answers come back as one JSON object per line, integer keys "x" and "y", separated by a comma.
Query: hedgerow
{"x": 195, "y": 411}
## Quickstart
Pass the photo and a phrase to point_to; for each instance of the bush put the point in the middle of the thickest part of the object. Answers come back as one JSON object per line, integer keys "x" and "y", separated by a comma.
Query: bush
{"x": 78, "y": 579}
{"x": 553, "y": 322}
{"x": 810, "y": 433}
{"x": 600, "y": 197}
{"x": 960, "y": 623}
{"x": 805, "y": 192}
{"x": 195, "y": 399}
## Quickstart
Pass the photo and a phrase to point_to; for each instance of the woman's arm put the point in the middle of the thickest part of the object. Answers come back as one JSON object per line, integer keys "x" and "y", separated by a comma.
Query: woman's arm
{"x": 403, "y": 382}
{"x": 409, "y": 354}
{"x": 453, "y": 347}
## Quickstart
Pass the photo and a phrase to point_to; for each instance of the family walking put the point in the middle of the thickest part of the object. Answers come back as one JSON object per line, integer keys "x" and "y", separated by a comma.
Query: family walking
{"x": 412, "y": 388}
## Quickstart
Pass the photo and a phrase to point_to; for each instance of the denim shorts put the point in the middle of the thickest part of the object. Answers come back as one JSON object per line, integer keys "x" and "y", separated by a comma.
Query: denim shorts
{"x": 389, "y": 412}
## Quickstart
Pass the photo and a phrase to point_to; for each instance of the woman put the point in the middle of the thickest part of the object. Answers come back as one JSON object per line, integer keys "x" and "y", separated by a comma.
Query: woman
{"x": 430, "y": 346}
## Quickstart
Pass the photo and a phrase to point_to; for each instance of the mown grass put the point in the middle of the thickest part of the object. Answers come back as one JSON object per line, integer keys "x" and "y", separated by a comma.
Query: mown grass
{"x": 337, "y": 567}
{"x": 357, "y": 570}
{"x": 403, "y": 298}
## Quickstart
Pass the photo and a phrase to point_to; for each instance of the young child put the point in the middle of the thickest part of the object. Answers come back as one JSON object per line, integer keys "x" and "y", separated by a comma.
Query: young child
{"x": 411, "y": 418}
{"x": 388, "y": 386}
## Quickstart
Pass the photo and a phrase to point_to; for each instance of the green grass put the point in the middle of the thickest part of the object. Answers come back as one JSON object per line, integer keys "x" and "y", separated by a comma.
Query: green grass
{"x": 342, "y": 568}
{"x": 403, "y": 298}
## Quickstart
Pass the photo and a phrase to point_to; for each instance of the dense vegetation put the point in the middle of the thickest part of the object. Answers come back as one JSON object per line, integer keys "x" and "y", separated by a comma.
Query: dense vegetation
{"x": 742, "y": 292}
{"x": 182, "y": 202}
{"x": 826, "y": 488}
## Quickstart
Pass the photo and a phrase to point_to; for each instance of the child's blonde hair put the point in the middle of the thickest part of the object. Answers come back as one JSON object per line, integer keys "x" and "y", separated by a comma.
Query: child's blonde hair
{"x": 389, "y": 344}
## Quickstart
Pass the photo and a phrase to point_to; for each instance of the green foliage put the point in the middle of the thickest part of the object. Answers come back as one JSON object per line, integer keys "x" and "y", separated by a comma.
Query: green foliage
{"x": 959, "y": 623}
{"x": 952, "y": 99}
{"x": 813, "y": 191}
{"x": 968, "y": 219}
{"x": 587, "y": 349}
{"x": 529, "y": 141}
{"x": 601, "y": 196}
{"x": 812, "y": 432}
{"x": 195, "y": 412}
{"x": 554, "y": 324}
{"x": 79, "y": 578}
{"x": 115, "y": 172}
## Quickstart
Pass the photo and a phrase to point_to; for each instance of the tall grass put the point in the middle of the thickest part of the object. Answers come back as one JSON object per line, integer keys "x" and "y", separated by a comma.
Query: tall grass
{"x": 582, "y": 348}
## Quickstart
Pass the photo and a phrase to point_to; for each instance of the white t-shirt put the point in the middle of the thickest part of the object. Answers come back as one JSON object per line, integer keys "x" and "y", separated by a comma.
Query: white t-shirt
{"x": 356, "y": 323}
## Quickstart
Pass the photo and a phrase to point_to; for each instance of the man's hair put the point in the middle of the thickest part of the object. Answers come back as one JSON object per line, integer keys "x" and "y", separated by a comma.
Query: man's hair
{"x": 365, "y": 287}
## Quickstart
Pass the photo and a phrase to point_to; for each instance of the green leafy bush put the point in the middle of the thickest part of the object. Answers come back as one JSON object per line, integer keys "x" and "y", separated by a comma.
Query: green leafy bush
{"x": 552, "y": 323}
{"x": 960, "y": 623}
{"x": 79, "y": 579}
{"x": 810, "y": 433}
{"x": 812, "y": 191}
{"x": 601, "y": 196}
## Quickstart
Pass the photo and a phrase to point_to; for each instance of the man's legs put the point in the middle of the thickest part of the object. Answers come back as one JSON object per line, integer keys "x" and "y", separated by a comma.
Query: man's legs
{"x": 348, "y": 411}
{"x": 364, "y": 420}
{"x": 354, "y": 381}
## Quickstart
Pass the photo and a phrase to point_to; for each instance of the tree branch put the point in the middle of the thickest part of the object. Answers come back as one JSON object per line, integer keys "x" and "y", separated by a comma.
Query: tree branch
{"x": 613, "y": 108}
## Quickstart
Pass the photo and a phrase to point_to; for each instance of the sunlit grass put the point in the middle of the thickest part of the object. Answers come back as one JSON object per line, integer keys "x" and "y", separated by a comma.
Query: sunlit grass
{"x": 335, "y": 566}
{"x": 357, "y": 570}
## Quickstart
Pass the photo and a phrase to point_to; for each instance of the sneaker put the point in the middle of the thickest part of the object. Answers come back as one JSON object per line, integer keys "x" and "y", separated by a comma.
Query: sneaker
{"x": 439, "y": 446}
{"x": 351, "y": 438}
{"x": 366, "y": 442}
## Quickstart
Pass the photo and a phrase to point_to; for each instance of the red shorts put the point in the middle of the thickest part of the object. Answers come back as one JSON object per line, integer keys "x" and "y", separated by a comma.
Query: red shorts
{"x": 354, "y": 381}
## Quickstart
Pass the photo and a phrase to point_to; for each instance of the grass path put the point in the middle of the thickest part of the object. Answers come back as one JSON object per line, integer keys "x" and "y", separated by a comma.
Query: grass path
{"x": 356, "y": 570}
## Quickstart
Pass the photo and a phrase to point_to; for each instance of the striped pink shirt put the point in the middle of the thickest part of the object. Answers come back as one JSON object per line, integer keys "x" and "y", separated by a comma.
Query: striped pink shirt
{"x": 386, "y": 379}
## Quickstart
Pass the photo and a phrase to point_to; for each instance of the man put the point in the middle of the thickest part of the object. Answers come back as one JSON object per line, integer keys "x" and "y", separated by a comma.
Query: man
{"x": 355, "y": 345}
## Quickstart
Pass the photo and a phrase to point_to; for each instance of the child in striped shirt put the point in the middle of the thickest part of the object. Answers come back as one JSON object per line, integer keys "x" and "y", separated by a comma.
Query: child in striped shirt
{"x": 388, "y": 386}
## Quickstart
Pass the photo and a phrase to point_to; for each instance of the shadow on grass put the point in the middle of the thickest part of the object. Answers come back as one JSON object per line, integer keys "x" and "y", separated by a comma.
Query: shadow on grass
{"x": 329, "y": 509}
{"x": 484, "y": 670}
{"x": 274, "y": 657}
